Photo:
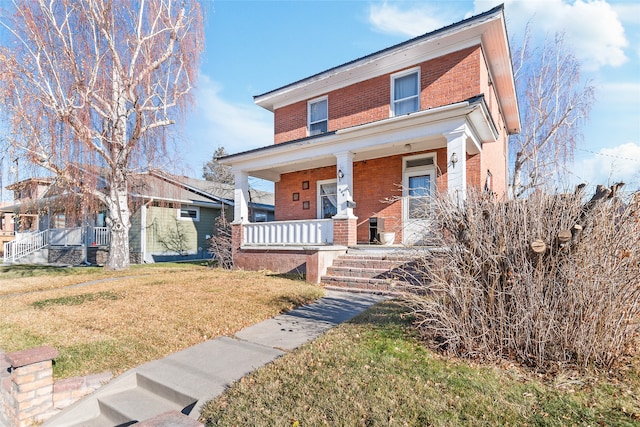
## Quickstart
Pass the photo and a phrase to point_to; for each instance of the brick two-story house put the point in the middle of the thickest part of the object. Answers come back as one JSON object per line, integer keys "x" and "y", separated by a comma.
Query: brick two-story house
{"x": 358, "y": 146}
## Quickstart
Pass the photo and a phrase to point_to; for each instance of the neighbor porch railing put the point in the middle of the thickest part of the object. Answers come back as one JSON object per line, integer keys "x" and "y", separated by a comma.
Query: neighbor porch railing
{"x": 294, "y": 233}
{"x": 29, "y": 242}
{"x": 99, "y": 237}
{"x": 65, "y": 236}
{"x": 25, "y": 244}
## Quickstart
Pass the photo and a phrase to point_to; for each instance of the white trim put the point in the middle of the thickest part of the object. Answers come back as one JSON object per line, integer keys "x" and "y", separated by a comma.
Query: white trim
{"x": 318, "y": 195}
{"x": 189, "y": 218}
{"x": 309, "y": 123}
{"x": 413, "y": 228}
{"x": 394, "y": 77}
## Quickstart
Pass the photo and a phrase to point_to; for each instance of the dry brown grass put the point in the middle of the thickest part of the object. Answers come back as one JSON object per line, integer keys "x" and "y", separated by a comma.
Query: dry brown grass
{"x": 156, "y": 312}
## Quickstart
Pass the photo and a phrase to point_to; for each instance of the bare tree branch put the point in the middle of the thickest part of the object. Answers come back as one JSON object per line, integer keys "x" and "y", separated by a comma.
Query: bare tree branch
{"x": 89, "y": 84}
{"x": 553, "y": 104}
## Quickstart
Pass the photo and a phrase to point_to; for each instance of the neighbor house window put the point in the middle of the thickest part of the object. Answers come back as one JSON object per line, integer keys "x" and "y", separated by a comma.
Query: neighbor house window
{"x": 318, "y": 115}
{"x": 260, "y": 217}
{"x": 189, "y": 213}
{"x": 405, "y": 92}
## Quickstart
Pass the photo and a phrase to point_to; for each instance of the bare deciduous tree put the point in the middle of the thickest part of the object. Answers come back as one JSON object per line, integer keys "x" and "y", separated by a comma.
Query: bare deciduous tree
{"x": 553, "y": 104}
{"x": 90, "y": 87}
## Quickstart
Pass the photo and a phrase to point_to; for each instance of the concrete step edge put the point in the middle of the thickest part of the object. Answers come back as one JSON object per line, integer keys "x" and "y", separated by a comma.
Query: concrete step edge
{"x": 165, "y": 391}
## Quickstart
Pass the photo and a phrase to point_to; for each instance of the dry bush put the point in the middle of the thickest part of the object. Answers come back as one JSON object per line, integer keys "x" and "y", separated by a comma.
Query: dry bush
{"x": 490, "y": 295}
{"x": 220, "y": 244}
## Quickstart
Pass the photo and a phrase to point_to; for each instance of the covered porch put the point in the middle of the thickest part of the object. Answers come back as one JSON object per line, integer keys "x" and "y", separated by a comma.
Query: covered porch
{"x": 331, "y": 188}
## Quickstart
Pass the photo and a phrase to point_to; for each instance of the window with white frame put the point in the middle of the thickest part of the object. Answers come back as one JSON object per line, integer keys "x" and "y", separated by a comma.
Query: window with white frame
{"x": 419, "y": 186}
{"x": 327, "y": 199}
{"x": 405, "y": 92}
{"x": 189, "y": 213}
{"x": 318, "y": 116}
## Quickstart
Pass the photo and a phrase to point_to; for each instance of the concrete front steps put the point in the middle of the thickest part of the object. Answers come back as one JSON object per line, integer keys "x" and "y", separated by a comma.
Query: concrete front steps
{"x": 169, "y": 391}
{"x": 385, "y": 271}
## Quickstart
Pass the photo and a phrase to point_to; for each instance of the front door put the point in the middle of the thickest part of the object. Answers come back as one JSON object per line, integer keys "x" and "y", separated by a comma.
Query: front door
{"x": 418, "y": 187}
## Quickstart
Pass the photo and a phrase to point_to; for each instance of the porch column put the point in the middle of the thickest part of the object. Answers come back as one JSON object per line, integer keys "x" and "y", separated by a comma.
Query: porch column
{"x": 344, "y": 222}
{"x": 344, "y": 178}
{"x": 457, "y": 164}
{"x": 241, "y": 197}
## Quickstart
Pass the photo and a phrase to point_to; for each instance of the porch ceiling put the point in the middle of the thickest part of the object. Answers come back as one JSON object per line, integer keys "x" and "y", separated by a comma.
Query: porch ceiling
{"x": 321, "y": 158}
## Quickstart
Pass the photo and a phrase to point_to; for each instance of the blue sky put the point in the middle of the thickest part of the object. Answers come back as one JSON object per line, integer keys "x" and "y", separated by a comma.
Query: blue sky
{"x": 253, "y": 47}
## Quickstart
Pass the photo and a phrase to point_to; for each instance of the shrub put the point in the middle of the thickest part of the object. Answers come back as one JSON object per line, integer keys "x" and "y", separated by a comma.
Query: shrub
{"x": 220, "y": 244}
{"x": 546, "y": 281}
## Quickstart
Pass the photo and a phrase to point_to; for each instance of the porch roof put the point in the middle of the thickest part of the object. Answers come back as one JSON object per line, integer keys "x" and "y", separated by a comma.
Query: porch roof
{"x": 420, "y": 131}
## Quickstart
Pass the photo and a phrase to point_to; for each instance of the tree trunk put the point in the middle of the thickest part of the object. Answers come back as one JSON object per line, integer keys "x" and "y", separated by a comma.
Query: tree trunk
{"x": 119, "y": 225}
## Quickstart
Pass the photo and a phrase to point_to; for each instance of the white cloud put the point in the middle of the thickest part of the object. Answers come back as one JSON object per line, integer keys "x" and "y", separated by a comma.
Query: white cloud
{"x": 610, "y": 165}
{"x": 410, "y": 21}
{"x": 218, "y": 122}
{"x": 593, "y": 29}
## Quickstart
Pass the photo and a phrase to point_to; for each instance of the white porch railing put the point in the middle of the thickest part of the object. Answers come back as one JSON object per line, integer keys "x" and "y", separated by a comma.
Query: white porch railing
{"x": 294, "y": 233}
{"x": 25, "y": 245}
{"x": 99, "y": 237}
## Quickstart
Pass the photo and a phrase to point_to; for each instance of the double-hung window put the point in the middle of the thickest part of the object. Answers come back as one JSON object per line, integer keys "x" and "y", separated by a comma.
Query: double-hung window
{"x": 405, "y": 92}
{"x": 318, "y": 116}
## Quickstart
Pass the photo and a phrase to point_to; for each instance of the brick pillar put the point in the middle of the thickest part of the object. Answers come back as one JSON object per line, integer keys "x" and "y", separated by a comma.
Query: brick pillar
{"x": 27, "y": 392}
{"x": 236, "y": 238}
{"x": 345, "y": 231}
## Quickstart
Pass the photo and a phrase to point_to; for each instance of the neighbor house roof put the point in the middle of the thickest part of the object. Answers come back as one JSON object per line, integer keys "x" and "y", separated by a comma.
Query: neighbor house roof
{"x": 160, "y": 186}
{"x": 187, "y": 188}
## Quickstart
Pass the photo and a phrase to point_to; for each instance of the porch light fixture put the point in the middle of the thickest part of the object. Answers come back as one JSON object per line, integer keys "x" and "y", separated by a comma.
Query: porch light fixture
{"x": 454, "y": 159}
{"x": 340, "y": 174}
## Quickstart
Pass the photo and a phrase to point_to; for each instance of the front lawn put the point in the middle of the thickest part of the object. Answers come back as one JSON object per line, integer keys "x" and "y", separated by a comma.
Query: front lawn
{"x": 123, "y": 319}
{"x": 373, "y": 371}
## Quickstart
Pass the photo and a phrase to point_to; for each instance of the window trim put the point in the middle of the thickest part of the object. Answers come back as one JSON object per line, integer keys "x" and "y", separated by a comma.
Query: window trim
{"x": 392, "y": 102}
{"x": 408, "y": 172}
{"x": 191, "y": 208}
{"x": 309, "y": 123}
{"x": 319, "y": 195}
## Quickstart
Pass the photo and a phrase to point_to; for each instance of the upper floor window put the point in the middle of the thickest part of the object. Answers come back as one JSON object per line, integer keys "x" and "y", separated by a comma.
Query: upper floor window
{"x": 318, "y": 114}
{"x": 405, "y": 92}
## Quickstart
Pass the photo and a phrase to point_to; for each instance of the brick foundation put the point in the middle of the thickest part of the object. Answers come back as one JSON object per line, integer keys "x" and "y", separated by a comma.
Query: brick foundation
{"x": 312, "y": 263}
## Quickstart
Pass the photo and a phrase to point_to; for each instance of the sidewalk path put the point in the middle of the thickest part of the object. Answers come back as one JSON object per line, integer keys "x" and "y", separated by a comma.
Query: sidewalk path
{"x": 186, "y": 380}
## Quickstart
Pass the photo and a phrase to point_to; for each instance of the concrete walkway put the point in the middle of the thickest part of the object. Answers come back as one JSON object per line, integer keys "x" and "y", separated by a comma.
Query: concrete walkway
{"x": 177, "y": 386}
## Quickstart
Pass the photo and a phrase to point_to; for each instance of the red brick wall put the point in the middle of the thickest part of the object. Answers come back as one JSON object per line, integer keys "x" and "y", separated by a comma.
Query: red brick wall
{"x": 288, "y": 209}
{"x": 494, "y": 154}
{"x": 444, "y": 81}
{"x": 474, "y": 174}
{"x": 376, "y": 191}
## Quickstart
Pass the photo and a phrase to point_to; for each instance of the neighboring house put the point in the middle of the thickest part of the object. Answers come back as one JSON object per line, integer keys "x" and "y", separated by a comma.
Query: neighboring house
{"x": 172, "y": 219}
{"x": 359, "y": 147}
